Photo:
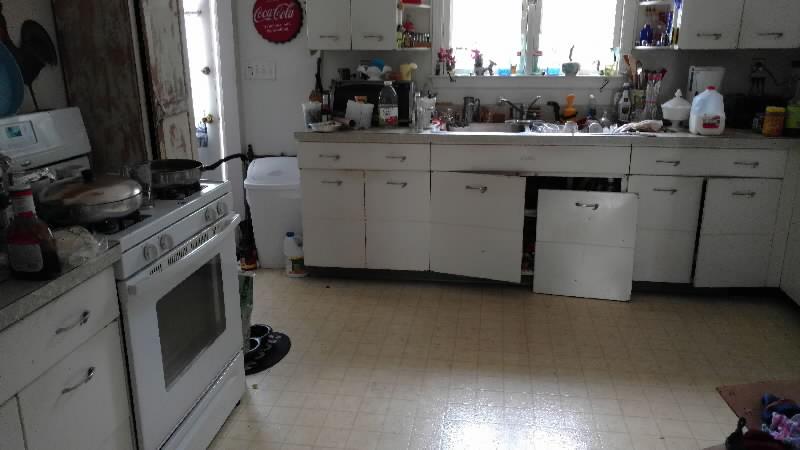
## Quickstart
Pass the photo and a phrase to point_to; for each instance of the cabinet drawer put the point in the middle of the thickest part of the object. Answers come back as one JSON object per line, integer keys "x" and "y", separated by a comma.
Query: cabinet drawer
{"x": 664, "y": 256}
{"x": 314, "y": 155}
{"x": 34, "y": 344}
{"x": 733, "y": 260}
{"x": 735, "y": 206}
{"x": 561, "y": 159}
{"x": 668, "y": 203}
{"x": 476, "y": 252}
{"x": 81, "y": 402}
{"x": 11, "y": 437}
{"x": 398, "y": 196}
{"x": 578, "y": 270}
{"x": 332, "y": 194}
{"x": 492, "y": 201}
{"x": 398, "y": 245}
{"x": 334, "y": 243}
{"x": 708, "y": 162}
{"x": 594, "y": 218}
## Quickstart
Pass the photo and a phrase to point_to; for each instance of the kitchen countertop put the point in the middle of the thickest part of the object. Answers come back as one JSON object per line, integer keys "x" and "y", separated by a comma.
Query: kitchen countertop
{"x": 730, "y": 139}
{"x": 19, "y": 298}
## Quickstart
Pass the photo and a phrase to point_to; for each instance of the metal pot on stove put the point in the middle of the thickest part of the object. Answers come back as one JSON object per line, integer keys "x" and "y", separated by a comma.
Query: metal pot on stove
{"x": 89, "y": 199}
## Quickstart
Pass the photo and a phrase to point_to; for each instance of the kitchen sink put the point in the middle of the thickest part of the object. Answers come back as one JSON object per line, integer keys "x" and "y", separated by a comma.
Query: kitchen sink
{"x": 489, "y": 128}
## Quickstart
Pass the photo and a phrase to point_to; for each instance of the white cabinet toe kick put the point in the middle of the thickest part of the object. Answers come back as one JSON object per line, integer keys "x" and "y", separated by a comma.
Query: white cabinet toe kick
{"x": 582, "y": 221}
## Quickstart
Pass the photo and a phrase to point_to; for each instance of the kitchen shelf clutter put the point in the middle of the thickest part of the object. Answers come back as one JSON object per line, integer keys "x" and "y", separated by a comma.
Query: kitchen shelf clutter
{"x": 717, "y": 25}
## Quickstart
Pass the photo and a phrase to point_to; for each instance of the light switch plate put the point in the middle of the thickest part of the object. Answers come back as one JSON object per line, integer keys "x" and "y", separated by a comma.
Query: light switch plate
{"x": 261, "y": 71}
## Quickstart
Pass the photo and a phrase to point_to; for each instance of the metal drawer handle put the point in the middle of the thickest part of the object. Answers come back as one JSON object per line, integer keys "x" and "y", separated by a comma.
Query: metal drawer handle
{"x": 334, "y": 37}
{"x": 80, "y": 322}
{"x": 474, "y": 187}
{"x": 379, "y": 37}
{"x": 88, "y": 378}
{"x": 716, "y": 36}
{"x": 400, "y": 158}
{"x": 594, "y": 206}
{"x": 671, "y": 191}
{"x": 402, "y": 184}
{"x": 752, "y": 164}
{"x": 336, "y": 182}
{"x": 664, "y": 161}
{"x": 333, "y": 157}
{"x": 744, "y": 194}
{"x": 773, "y": 34}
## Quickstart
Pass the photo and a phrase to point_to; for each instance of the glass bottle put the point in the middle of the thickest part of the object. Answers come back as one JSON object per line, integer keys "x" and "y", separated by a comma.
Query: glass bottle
{"x": 388, "y": 107}
{"x": 31, "y": 247}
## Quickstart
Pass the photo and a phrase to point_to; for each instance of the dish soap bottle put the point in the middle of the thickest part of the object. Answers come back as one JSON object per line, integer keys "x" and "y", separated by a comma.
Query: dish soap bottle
{"x": 388, "y": 107}
{"x": 31, "y": 247}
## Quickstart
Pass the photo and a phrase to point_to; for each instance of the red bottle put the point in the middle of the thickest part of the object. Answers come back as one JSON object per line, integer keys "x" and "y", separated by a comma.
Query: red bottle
{"x": 31, "y": 247}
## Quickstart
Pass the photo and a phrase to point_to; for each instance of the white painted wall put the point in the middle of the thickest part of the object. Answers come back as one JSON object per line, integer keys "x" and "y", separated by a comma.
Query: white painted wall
{"x": 49, "y": 87}
{"x": 270, "y": 109}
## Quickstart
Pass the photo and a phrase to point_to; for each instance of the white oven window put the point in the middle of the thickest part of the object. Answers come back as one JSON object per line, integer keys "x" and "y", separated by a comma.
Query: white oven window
{"x": 190, "y": 318}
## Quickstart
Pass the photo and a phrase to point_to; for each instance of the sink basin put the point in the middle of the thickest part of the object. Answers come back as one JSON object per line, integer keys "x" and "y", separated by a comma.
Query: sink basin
{"x": 489, "y": 128}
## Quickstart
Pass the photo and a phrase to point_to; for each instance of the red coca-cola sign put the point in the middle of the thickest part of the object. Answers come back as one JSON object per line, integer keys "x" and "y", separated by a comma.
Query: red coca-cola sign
{"x": 278, "y": 21}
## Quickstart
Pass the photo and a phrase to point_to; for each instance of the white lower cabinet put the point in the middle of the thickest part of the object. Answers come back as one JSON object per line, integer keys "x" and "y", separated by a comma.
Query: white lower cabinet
{"x": 11, "y": 437}
{"x": 396, "y": 245}
{"x": 669, "y": 209}
{"x": 334, "y": 243}
{"x": 476, "y": 225}
{"x": 585, "y": 244}
{"x": 790, "y": 281}
{"x": 81, "y": 402}
{"x": 736, "y": 234}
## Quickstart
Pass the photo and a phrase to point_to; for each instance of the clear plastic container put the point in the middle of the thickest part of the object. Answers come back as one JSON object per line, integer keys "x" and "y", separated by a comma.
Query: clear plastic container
{"x": 707, "y": 117}
{"x": 293, "y": 251}
{"x": 388, "y": 107}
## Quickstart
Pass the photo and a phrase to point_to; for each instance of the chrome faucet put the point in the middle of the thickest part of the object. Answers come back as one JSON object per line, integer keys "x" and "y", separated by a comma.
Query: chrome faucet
{"x": 519, "y": 111}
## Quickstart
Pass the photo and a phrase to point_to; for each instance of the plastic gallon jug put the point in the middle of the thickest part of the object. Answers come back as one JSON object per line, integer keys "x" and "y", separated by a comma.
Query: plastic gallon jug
{"x": 707, "y": 117}
{"x": 293, "y": 250}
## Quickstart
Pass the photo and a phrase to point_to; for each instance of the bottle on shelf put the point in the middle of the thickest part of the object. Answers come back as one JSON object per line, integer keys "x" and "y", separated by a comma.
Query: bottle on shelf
{"x": 624, "y": 105}
{"x": 388, "y": 107}
{"x": 31, "y": 249}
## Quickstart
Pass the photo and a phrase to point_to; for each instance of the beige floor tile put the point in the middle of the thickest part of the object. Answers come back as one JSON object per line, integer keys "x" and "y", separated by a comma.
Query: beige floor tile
{"x": 491, "y": 367}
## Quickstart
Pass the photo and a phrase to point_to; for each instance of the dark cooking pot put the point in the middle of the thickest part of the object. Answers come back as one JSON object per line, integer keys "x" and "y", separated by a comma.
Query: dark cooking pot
{"x": 170, "y": 173}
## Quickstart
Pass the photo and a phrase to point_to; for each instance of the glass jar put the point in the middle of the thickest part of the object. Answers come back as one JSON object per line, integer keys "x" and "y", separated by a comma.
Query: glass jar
{"x": 773, "y": 121}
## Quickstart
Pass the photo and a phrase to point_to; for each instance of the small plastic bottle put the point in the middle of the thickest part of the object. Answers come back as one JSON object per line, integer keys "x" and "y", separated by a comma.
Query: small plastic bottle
{"x": 388, "y": 107}
{"x": 293, "y": 251}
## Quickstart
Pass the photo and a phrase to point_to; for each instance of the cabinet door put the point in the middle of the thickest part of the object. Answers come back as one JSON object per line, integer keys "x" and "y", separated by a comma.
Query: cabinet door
{"x": 328, "y": 24}
{"x": 332, "y": 194}
{"x": 11, "y": 427}
{"x": 770, "y": 24}
{"x": 736, "y": 234}
{"x": 790, "y": 281}
{"x": 669, "y": 210}
{"x": 477, "y": 223}
{"x": 585, "y": 244}
{"x": 710, "y": 24}
{"x": 334, "y": 243}
{"x": 81, "y": 402}
{"x": 374, "y": 24}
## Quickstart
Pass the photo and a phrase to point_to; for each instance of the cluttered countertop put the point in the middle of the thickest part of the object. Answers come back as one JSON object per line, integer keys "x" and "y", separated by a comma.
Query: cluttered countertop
{"x": 20, "y": 298}
{"x": 732, "y": 138}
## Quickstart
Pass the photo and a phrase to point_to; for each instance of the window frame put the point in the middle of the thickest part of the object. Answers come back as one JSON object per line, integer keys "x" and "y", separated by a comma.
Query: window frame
{"x": 442, "y": 24}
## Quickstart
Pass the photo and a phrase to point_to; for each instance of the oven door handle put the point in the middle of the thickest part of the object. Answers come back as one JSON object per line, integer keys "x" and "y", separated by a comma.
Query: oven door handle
{"x": 148, "y": 278}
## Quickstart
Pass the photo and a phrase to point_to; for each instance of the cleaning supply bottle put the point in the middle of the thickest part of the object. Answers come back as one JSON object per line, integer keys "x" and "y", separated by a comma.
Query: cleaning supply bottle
{"x": 624, "y": 105}
{"x": 293, "y": 250}
{"x": 570, "y": 112}
{"x": 707, "y": 117}
{"x": 591, "y": 112}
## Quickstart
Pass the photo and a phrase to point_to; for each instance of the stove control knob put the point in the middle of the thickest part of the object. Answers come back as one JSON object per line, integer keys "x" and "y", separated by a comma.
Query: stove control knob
{"x": 222, "y": 208}
{"x": 165, "y": 242}
{"x": 210, "y": 214}
{"x": 150, "y": 252}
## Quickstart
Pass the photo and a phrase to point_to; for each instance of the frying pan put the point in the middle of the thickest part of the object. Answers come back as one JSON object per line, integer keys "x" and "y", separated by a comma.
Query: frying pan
{"x": 171, "y": 173}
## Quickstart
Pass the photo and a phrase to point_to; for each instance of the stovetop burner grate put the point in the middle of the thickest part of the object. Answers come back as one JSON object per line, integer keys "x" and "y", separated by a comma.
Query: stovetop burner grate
{"x": 112, "y": 226}
{"x": 177, "y": 192}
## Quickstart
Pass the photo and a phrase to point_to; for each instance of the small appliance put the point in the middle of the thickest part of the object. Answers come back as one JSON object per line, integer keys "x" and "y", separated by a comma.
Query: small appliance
{"x": 344, "y": 91}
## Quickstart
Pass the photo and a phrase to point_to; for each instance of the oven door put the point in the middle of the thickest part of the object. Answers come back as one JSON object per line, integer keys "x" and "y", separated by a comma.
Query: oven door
{"x": 183, "y": 326}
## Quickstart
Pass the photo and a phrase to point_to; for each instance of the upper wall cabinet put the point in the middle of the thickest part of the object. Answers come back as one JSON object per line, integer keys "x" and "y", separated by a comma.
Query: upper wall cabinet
{"x": 711, "y": 24}
{"x": 770, "y": 24}
{"x": 328, "y": 24}
{"x": 374, "y": 24}
{"x": 356, "y": 24}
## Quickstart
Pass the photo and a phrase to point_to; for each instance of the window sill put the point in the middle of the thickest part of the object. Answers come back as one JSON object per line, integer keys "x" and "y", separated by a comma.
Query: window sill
{"x": 531, "y": 81}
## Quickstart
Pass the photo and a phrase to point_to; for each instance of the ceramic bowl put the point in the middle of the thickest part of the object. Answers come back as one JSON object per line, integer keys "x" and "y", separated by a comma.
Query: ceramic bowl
{"x": 571, "y": 69}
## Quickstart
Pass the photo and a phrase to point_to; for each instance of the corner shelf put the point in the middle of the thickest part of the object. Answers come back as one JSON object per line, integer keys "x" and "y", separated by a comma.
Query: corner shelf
{"x": 416, "y": 6}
